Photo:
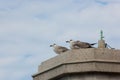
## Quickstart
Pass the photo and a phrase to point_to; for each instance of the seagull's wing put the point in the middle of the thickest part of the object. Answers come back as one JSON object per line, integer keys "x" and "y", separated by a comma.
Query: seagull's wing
{"x": 76, "y": 46}
{"x": 62, "y": 49}
{"x": 84, "y": 45}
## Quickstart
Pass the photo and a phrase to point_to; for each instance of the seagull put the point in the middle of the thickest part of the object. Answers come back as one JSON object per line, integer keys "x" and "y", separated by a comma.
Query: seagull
{"x": 73, "y": 44}
{"x": 59, "y": 49}
{"x": 78, "y": 44}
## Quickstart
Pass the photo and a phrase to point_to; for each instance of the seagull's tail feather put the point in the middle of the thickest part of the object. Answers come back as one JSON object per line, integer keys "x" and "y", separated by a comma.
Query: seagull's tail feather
{"x": 93, "y": 43}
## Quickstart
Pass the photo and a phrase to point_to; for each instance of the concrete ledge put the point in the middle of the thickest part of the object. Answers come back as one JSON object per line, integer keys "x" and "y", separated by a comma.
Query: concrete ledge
{"x": 79, "y": 68}
{"x": 81, "y": 55}
{"x": 80, "y": 61}
{"x": 89, "y": 76}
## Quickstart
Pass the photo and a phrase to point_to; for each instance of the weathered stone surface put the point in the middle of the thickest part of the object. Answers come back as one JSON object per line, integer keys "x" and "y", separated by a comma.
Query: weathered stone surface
{"x": 80, "y": 61}
{"x": 81, "y": 55}
{"x": 90, "y": 76}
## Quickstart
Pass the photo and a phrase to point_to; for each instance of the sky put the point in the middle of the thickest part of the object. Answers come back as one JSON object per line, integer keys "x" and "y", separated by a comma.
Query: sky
{"x": 28, "y": 27}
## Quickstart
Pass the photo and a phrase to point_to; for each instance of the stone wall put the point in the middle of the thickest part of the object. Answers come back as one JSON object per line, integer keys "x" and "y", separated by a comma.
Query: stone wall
{"x": 90, "y": 76}
{"x": 81, "y": 61}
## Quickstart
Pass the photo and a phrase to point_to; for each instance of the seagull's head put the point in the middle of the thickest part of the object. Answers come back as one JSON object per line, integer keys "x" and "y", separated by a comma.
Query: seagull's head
{"x": 69, "y": 41}
{"x": 53, "y": 45}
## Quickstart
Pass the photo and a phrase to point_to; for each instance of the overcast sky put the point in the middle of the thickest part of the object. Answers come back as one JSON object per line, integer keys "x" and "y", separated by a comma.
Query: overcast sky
{"x": 28, "y": 27}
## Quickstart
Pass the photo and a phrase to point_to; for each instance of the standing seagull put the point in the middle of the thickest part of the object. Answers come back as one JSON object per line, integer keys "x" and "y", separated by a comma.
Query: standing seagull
{"x": 79, "y": 44}
{"x": 59, "y": 49}
{"x": 73, "y": 44}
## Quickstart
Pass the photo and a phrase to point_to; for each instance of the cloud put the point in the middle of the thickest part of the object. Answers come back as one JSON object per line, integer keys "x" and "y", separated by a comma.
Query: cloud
{"x": 28, "y": 27}
{"x": 110, "y": 1}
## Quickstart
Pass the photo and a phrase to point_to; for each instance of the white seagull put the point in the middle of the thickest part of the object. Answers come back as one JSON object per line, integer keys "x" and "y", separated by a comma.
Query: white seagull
{"x": 78, "y": 44}
{"x": 59, "y": 49}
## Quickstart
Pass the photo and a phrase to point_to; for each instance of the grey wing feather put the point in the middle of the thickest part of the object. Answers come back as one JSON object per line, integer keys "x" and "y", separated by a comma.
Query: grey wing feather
{"x": 84, "y": 45}
{"x": 63, "y": 49}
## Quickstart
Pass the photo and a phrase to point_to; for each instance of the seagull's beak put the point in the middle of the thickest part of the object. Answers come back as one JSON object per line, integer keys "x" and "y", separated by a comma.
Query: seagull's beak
{"x": 51, "y": 45}
{"x": 67, "y": 41}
